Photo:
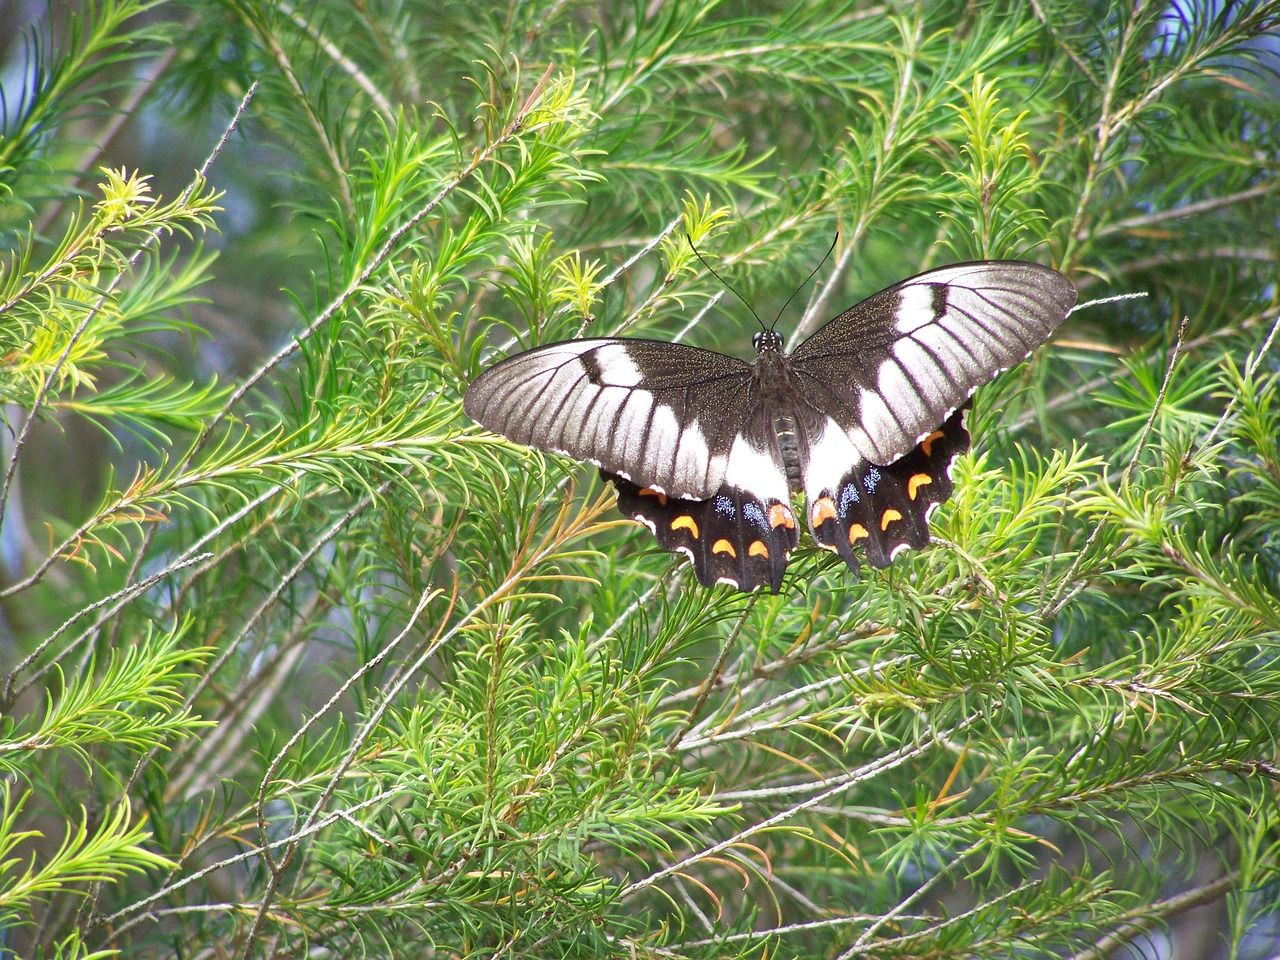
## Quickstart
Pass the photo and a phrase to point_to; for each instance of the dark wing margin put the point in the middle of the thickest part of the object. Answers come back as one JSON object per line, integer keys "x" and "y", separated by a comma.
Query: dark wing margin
{"x": 734, "y": 537}
{"x": 891, "y": 368}
{"x": 663, "y": 415}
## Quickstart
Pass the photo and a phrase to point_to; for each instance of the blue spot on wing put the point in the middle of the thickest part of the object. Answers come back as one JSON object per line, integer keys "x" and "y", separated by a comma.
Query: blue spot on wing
{"x": 871, "y": 480}
{"x": 753, "y": 513}
{"x": 723, "y": 505}
{"x": 848, "y": 497}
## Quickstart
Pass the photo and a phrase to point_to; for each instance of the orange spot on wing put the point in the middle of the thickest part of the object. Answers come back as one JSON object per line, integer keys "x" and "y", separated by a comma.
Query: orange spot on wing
{"x": 927, "y": 443}
{"x": 650, "y": 492}
{"x": 686, "y": 522}
{"x": 723, "y": 546}
{"x": 780, "y": 516}
{"x": 916, "y": 482}
{"x": 758, "y": 549}
{"x": 888, "y": 517}
{"x": 857, "y": 532}
{"x": 824, "y": 509}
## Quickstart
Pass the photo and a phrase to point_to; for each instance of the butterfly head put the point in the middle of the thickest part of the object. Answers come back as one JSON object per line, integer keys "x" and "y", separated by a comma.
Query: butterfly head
{"x": 767, "y": 341}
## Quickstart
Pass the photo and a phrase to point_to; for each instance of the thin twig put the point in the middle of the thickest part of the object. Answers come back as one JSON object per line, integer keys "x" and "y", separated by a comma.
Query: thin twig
{"x": 1157, "y": 914}
{"x": 114, "y": 601}
{"x": 839, "y": 784}
{"x": 716, "y": 669}
{"x": 136, "y": 912}
{"x": 344, "y": 62}
{"x": 1186, "y": 210}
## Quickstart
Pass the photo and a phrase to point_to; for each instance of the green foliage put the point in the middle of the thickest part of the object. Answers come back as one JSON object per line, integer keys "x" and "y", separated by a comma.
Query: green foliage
{"x": 299, "y": 661}
{"x": 115, "y": 849}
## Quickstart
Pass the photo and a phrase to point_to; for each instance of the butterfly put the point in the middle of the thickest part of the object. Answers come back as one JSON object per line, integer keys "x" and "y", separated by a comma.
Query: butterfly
{"x": 864, "y": 419}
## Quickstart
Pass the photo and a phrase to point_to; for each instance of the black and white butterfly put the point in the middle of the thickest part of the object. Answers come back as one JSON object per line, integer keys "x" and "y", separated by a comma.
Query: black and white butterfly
{"x": 865, "y": 418}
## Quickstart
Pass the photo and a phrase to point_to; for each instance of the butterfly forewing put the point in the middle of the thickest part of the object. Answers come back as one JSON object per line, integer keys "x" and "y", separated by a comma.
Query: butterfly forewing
{"x": 663, "y": 414}
{"x": 892, "y": 368}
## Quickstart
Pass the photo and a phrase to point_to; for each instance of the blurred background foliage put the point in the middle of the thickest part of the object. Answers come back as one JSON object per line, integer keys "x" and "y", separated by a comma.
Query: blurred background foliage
{"x": 295, "y": 661}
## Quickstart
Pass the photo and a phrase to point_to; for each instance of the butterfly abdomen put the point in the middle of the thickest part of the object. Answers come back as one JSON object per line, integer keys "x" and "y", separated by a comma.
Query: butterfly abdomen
{"x": 787, "y": 433}
{"x": 776, "y": 392}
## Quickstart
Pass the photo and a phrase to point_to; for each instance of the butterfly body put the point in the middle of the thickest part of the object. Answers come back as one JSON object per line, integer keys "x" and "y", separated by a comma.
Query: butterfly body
{"x": 863, "y": 420}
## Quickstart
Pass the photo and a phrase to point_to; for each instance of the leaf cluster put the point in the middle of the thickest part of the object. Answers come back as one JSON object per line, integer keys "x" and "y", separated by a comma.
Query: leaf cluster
{"x": 321, "y": 667}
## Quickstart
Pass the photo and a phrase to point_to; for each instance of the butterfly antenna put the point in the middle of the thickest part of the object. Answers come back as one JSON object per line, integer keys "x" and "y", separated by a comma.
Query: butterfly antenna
{"x": 834, "y": 241}
{"x": 725, "y": 283}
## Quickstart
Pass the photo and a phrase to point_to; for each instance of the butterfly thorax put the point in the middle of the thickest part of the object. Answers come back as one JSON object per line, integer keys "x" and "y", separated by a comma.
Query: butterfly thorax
{"x": 776, "y": 392}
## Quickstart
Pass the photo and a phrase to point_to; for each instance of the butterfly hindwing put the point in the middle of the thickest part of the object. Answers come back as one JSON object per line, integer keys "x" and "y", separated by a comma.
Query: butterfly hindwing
{"x": 882, "y": 510}
{"x": 732, "y": 537}
{"x": 662, "y": 413}
{"x": 738, "y": 538}
{"x": 893, "y": 367}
